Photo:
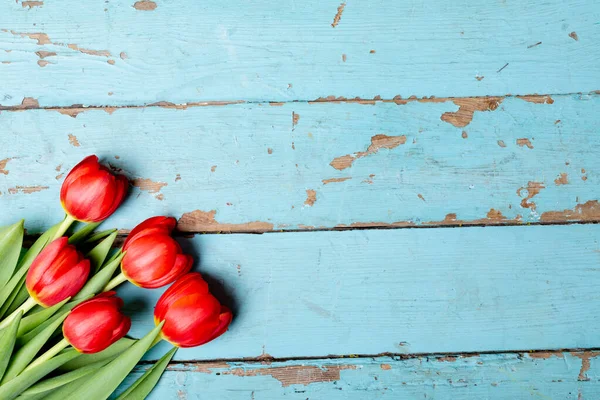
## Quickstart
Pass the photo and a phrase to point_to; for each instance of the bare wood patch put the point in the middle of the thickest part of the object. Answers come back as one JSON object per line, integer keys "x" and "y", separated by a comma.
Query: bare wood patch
{"x": 501, "y": 143}
{"x": 42, "y": 63}
{"x": 26, "y": 189}
{"x": 563, "y": 179}
{"x": 467, "y": 107}
{"x": 295, "y": 375}
{"x": 573, "y": 35}
{"x": 3, "y": 163}
{"x": 73, "y": 140}
{"x": 537, "y": 99}
{"x": 100, "y": 53}
{"x": 524, "y": 142}
{"x": 31, "y": 4}
{"x": 204, "y": 221}
{"x": 585, "y": 357}
{"x": 338, "y": 15}
{"x": 588, "y": 212}
{"x": 377, "y": 142}
{"x": 145, "y": 5}
{"x": 311, "y": 197}
{"x": 148, "y": 185}
{"x": 532, "y": 189}
{"x": 43, "y": 54}
{"x": 333, "y": 180}
{"x": 41, "y": 38}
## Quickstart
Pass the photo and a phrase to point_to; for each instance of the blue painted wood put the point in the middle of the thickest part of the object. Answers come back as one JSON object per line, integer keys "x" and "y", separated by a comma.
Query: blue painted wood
{"x": 185, "y": 51}
{"x": 496, "y": 376}
{"x": 434, "y": 290}
{"x": 258, "y": 170}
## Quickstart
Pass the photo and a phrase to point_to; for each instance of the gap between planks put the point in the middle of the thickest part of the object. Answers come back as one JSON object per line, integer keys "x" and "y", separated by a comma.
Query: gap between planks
{"x": 30, "y": 103}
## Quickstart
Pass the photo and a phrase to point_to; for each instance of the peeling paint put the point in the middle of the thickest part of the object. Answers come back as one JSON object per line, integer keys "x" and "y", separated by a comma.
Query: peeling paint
{"x": 27, "y": 104}
{"x": 145, "y": 5}
{"x": 333, "y": 180}
{"x": 73, "y": 140}
{"x": 148, "y": 185}
{"x": 369, "y": 180}
{"x": 467, "y": 107}
{"x": 537, "y": 99}
{"x": 563, "y": 179}
{"x": 32, "y": 4}
{"x": 123, "y": 55}
{"x": 207, "y": 368}
{"x": 311, "y": 197}
{"x": 295, "y": 375}
{"x": 385, "y": 367}
{"x": 544, "y": 355}
{"x": 26, "y": 189}
{"x": 295, "y": 118}
{"x": 344, "y": 58}
{"x": 573, "y": 35}
{"x": 269, "y": 150}
{"x": 100, "y": 53}
{"x": 589, "y": 211}
{"x": 204, "y": 221}
{"x": 41, "y": 38}
{"x": 42, "y": 63}
{"x": 213, "y": 168}
{"x": 338, "y": 15}
{"x": 464, "y": 134}
{"x": 493, "y": 217}
{"x": 447, "y": 359}
{"x": 43, "y": 54}
{"x": 421, "y": 196}
{"x": 3, "y": 163}
{"x": 501, "y": 143}
{"x": 397, "y": 224}
{"x": 533, "y": 189}
{"x": 585, "y": 357}
{"x": 524, "y": 142}
{"x": 377, "y": 142}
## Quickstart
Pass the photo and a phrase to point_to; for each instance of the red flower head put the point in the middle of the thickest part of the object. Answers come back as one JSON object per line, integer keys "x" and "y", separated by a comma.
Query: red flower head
{"x": 95, "y": 324}
{"x": 91, "y": 192}
{"x": 152, "y": 257}
{"x": 58, "y": 272}
{"x": 192, "y": 315}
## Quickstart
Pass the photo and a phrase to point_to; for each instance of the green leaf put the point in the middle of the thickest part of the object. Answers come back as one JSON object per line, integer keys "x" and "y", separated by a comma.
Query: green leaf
{"x": 107, "y": 354}
{"x": 7, "y": 342}
{"x": 63, "y": 391}
{"x": 25, "y": 263}
{"x": 102, "y": 383}
{"x": 32, "y": 321}
{"x": 16, "y": 386}
{"x": 13, "y": 295}
{"x": 19, "y": 299}
{"x": 61, "y": 380}
{"x": 83, "y": 233}
{"x": 22, "y": 357}
{"x": 98, "y": 254}
{"x": 11, "y": 241}
{"x": 100, "y": 235}
{"x": 142, "y": 387}
{"x": 100, "y": 280}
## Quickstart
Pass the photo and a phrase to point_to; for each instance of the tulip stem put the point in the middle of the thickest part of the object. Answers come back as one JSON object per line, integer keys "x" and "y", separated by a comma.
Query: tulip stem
{"x": 28, "y": 305}
{"x": 57, "y": 348}
{"x": 116, "y": 281}
{"x": 64, "y": 225}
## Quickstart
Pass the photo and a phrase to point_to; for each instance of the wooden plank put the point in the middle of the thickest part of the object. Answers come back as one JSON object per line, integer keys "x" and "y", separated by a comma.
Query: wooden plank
{"x": 186, "y": 51}
{"x": 491, "y": 376}
{"x": 256, "y": 167}
{"x": 299, "y": 294}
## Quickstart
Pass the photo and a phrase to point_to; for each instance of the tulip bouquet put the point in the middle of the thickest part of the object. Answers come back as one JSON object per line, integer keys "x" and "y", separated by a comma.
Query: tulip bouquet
{"x": 62, "y": 332}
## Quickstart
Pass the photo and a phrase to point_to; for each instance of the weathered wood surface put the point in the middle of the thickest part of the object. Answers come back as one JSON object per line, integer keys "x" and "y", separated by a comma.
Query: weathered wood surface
{"x": 132, "y": 53}
{"x": 490, "y": 376}
{"x": 257, "y": 167}
{"x": 299, "y": 294}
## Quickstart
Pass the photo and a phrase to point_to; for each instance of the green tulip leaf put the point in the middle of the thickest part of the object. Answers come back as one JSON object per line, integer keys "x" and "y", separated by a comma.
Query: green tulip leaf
{"x": 16, "y": 386}
{"x": 19, "y": 299}
{"x": 101, "y": 384}
{"x": 100, "y": 235}
{"x": 142, "y": 387}
{"x": 100, "y": 280}
{"x": 11, "y": 241}
{"x": 7, "y": 342}
{"x": 107, "y": 354}
{"x": 22, "y": 357}
{"x": 82, "y": 234}
{"x": 53, "y": 383}
{"x": 98, "y": 254}
{"x": 32, "y": 321}
{"x": 13, "y": 295}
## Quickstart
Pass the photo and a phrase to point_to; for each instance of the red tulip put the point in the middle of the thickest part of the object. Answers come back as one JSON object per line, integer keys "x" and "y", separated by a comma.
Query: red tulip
{"x": 91, "y": 192}
{"x": 95, "y": 324}
{"x": 58, "y": 272}
{"x": 192, "y": 315}
{"x": 152, "y": 257}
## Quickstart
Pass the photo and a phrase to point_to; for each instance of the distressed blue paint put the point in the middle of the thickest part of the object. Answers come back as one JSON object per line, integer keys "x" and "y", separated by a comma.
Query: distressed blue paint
{"x": 401, "y": 291}
{"x": 468, "y": 177}
{"x": 213, "y": 50}
{"x": 496, "y": 376}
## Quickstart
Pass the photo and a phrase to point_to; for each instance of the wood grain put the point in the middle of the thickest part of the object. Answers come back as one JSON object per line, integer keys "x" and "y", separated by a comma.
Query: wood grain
{"x": 134, "y": 53}
{"x": 299, "y": 294}
{"x": 324, "y": 165}
{"x": 491, "y": 376}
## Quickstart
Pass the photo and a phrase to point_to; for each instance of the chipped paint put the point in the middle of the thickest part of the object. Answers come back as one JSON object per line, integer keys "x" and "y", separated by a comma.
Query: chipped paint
{"x": 524, "y": 142}
{"x": 111, "y": 62}
{"x": 467, "y": 107}
{"x": 333, "y": 180}
{"x": 369, "y": 180}
{"x": 563, "y": 179}
{"x": 537, "y": 99}
{"x": 344, "y": 58}
{"x": 544, "y": 355}
{"x": 26, "y": 189}
{"x": 26, "y": 104}
{"x": 43, "y": 54}
{"x": 588, "y": 212}
{"x": 311, "y": 197}
{"x": 493, "y": 217}
{"x": 421, "y": 196}
{"x": 148, "y": 185}
{"x": 99, "y": 53}
{"x": 573, "y": 35}
{"x": 338, "y": 15}
{"x": 73, "y": 140}
{"x": 377, "y": 142}
{"x": 501, "y": 143}
{"x": 532, "y": 189}
{"x": 585, "y": 357}
{"x": 206, "y": 368}
{"x": 123, "y": 55}
{"x": 295, "y": 118}
{"x": 3, "y": 163}
{"x": 40, "y": 37}
{"x": 213, "y": 168}
{"x": 145, "y": 5}
{"x": 447, "y": 359}
{"x": 269, "y": 150}
{"x": 32, "y": 4}
{"x": 397, "y": 224}
{"x": 204, "y": 221}
{"x": 385, "y": 367}
{"x": 464, "y": 134}
{"x": 296, "y": 374}
{"x": 42, "y": 63}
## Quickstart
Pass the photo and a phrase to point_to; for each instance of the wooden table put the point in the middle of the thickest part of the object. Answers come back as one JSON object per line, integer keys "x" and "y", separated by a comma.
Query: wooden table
{"x": 397, "y": 198}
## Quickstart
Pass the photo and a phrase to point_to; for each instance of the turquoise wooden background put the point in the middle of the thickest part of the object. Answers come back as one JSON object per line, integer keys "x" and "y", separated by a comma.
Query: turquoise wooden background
{"x": 398, "y": 199}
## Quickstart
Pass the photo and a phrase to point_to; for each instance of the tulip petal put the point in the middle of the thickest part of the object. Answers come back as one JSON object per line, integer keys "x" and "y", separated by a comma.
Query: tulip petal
{"x": 160, "y": 224}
